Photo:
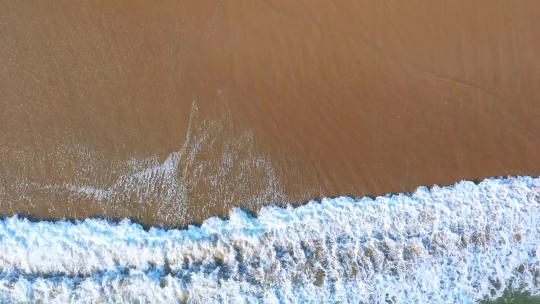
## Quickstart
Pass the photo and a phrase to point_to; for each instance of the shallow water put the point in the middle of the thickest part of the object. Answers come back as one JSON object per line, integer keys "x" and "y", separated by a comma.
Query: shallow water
{"x": 461, "y": 243}
{"x": 517, "y": 298}
{"x": 169, "y": 113}
{"x": 354, "y": 97}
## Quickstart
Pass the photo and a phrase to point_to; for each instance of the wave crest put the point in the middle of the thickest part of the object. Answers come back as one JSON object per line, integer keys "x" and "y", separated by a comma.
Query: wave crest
{"x": 459, "y": 243}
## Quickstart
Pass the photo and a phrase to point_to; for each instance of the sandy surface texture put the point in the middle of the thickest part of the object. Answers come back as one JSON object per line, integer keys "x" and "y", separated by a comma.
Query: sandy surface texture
{"x": 172, "y": 111}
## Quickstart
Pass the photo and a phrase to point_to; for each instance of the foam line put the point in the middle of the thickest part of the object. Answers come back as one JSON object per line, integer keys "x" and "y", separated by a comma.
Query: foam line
{"x": 459, "y": 243}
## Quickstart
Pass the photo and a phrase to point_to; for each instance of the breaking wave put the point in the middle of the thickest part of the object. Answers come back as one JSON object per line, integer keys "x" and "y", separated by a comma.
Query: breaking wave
{"x": 460, "y": 243}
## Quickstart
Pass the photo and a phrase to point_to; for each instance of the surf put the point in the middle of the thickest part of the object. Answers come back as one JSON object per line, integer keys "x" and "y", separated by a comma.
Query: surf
{"x": 460, "y": 243}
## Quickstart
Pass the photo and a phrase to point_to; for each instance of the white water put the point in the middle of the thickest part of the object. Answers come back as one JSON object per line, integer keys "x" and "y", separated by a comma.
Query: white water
{"x": 459, "y": 243}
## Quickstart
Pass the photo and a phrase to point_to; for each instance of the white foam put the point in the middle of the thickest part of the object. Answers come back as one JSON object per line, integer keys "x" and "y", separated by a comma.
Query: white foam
{"x": 459, "y": 243}
{"x": 236, "y": 172}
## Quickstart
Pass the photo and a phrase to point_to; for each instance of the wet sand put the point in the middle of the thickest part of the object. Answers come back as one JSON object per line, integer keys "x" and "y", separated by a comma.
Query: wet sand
{"x": 288, "y": 101}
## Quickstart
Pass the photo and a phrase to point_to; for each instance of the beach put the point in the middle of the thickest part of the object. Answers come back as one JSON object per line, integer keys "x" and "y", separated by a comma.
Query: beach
{"x": 170, "y": 113}
{"x": 354, "y": 97}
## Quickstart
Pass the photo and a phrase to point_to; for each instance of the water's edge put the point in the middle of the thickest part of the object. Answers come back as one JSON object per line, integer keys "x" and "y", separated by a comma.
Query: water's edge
{"x": 295, "y": 204}
{"x": 465, "y": 242}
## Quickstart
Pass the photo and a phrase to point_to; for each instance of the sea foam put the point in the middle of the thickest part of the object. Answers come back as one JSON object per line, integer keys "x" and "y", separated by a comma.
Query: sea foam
{"x": 459, "y": 243}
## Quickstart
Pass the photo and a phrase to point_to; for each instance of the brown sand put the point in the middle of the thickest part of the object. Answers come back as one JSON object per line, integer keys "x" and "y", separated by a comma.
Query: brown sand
{"x": 296, "y": 100}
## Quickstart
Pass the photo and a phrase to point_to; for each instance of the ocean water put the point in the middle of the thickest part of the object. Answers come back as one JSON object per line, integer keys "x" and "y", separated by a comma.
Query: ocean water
{"x": 463, "y": 243}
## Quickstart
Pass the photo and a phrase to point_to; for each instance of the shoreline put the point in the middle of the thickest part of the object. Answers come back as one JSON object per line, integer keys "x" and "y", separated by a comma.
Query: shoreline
{"x": 205, "y": 151}
{"x": 411, "y": 246}
{"x": 146, "y": 227}
{"x": 296, "y": 101}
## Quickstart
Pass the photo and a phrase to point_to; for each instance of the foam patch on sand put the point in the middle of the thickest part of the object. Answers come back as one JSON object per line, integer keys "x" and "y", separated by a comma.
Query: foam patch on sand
{"x": 459, "y": 243}
{"x": 217, "y": 166}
